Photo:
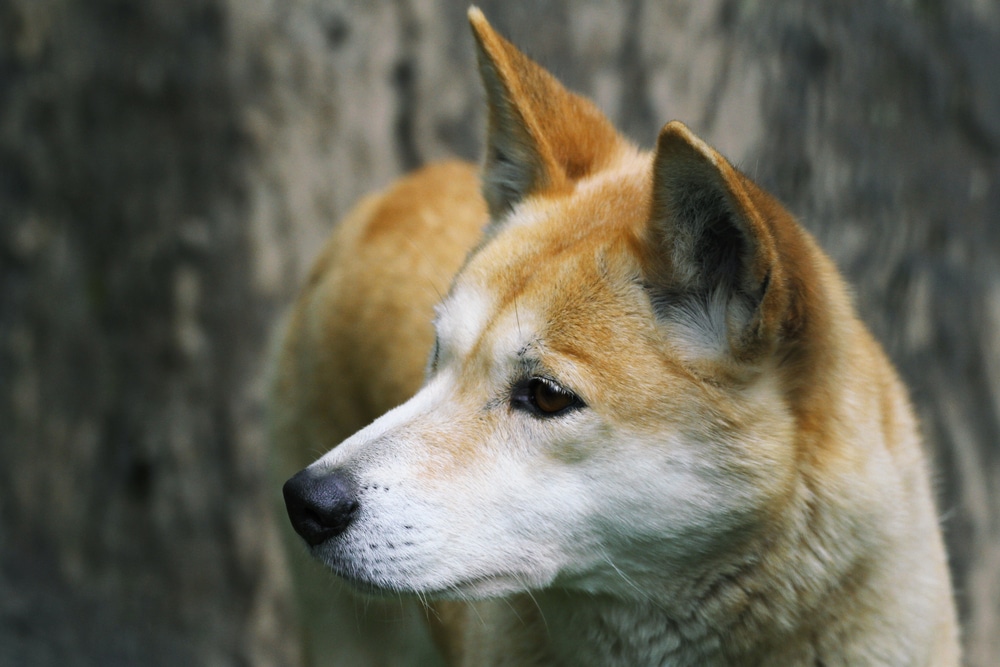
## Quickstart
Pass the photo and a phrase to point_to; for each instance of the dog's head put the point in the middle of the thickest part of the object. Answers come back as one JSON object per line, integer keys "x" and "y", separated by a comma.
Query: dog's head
{"x": 612, "y": 394}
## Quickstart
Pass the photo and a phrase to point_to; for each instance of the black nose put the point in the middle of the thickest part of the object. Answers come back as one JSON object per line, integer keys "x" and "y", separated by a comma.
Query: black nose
{"x": 320, "y": 505}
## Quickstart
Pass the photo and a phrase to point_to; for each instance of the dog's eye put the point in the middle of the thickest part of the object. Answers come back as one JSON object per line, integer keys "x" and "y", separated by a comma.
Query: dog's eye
{"x": 545, "y": 398}
{"x": 549, "y": 398}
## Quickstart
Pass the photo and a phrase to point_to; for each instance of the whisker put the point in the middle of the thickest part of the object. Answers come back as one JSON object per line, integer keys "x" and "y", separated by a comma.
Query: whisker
{"x": 472, "y": 606}
{"x": 643, "y": 594}
{"x": 513, "y": 610}
{"x": 517, "y": 318}
{"x": 541, "y": 614}
{"x": 425, "y": 257}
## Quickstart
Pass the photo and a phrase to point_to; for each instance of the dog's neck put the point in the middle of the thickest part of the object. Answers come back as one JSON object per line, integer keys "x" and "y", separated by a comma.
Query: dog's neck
{"x": 772, "y": 606}
{"x": 587, "y": 630}
{"x": 569, "y": 628}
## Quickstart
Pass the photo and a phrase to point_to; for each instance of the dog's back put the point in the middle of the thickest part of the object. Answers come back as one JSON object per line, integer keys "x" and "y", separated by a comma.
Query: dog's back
{"x": 356, "y": 339}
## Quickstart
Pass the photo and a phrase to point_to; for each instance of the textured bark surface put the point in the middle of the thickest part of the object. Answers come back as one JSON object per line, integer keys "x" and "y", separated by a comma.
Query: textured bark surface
{"x": 168, "y": 168}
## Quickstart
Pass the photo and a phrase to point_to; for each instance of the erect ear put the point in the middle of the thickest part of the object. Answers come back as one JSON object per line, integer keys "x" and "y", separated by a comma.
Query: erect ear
{"x": 540, "y": 137}
{"x": 719, "y": 266}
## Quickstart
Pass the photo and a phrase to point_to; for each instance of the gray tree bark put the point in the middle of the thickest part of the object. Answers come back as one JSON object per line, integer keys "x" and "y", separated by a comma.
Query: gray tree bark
{"x": 169, "y": 167}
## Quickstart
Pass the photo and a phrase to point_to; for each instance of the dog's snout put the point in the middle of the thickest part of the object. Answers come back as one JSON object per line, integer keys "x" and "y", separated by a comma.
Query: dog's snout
{"x": 320, "y": 506}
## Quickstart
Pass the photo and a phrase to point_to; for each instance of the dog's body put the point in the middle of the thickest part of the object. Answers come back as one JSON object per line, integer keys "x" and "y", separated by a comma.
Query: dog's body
{"x": 652, "y": 431}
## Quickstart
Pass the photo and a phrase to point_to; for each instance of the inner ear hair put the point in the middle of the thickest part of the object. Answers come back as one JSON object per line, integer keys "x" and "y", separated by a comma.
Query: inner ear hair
{"x": 716, "y": 249}
{"x": 709, "y": 250}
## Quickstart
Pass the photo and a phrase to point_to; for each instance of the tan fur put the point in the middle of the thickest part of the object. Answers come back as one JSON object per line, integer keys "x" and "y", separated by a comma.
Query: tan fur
{"x": 712, "y": 343}
{"x": 351, "y": 349}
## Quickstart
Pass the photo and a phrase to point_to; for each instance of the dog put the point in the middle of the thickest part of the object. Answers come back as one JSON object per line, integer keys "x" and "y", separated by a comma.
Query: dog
{"x": 646, "y": 426}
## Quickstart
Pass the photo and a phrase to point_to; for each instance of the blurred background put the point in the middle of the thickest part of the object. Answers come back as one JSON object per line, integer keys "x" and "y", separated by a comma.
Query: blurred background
{"x": 168, "y": 169}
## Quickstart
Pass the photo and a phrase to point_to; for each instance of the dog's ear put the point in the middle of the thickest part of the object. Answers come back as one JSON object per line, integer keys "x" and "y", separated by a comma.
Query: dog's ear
{"x": 715, "y": 240}
{"x": 540, "y": 136}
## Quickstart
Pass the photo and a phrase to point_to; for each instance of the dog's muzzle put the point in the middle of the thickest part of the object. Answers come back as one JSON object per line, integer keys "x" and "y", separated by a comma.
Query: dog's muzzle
{"x": 320, "y": 505}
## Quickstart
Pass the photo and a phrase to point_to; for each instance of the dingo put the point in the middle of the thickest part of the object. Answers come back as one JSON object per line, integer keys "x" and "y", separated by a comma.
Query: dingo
{"x": 650, "y": 428}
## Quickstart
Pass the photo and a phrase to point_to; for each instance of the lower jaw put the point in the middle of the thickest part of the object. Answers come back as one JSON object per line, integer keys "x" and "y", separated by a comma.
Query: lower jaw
{"x": 480, "y": 588}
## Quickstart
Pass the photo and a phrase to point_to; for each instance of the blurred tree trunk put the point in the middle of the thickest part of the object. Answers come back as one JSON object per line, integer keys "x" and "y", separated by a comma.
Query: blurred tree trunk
{"x": 131, "y": 332}
{"x": 168, "y": 167}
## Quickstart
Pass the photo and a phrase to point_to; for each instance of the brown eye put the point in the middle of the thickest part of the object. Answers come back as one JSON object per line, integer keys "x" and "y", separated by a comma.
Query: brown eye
{"x": 544, "y": 398}
{"x": 549, "y": 398}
